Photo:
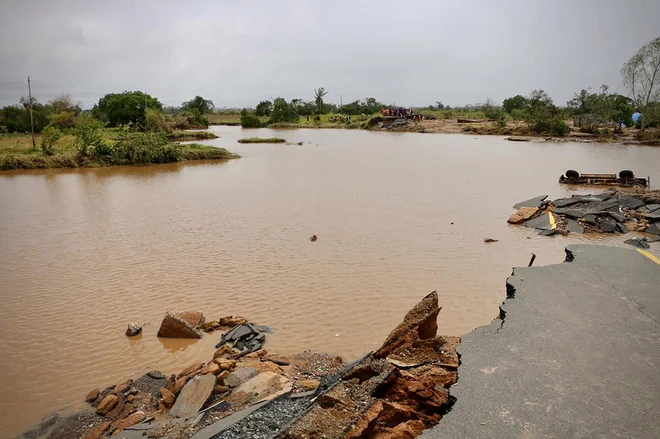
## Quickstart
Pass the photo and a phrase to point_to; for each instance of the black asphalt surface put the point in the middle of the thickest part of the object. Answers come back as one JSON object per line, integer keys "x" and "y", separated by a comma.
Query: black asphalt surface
{"x": 577, "y": 354}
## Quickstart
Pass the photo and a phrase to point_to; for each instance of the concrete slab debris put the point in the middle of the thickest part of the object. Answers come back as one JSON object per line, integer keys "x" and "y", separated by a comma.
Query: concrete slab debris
{"x": 544, "y": 222}
{"x": 638, "y": 243}
{"x": 532, "y": 202}
{"x": 630, "y": 202}
{"x": 574, "y": 226}
{"x": 653, "y": 229}
{"x": 240, "y": 375}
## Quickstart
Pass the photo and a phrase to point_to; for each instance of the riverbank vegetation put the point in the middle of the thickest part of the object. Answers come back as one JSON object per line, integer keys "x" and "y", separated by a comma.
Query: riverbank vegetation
{"x": 262, "y": 140}
{"x": 129, "y": 128}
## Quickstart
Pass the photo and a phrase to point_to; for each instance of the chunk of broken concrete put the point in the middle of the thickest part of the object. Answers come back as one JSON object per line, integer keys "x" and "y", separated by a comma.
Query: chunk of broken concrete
{"x": 653, "y": 216}
{"x": 565, "y": 202}
{"x": 638, "y": 242}
{"x": 653, "y": 229}
{"x": 265, "y": 386}
{"x": 239, "y": 376}
{"x": 574, "y": 226}
{"x": 630, "y": 202}
{"x": 607, "y": 225}
{"x": 532, "y": 202}
{"x": 652, "y": 207}
{"x": 134, "y": 328}
{"x": 174, "y": 326}
{"x": 544, "y": 222}
{"x": 193, "y": 396}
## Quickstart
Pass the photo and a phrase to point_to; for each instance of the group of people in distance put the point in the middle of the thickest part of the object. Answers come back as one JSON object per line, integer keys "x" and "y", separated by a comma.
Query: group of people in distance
{"x": 400, "y": 112}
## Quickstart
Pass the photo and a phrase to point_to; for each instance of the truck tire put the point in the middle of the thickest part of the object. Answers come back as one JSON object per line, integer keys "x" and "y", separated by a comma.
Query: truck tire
{"x": 626, "y": 174}
{"x": 572, "y": 174}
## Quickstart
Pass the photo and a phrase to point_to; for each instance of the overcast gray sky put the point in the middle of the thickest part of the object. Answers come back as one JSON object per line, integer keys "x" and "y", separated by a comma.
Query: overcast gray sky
{"x": 240, "y": 52}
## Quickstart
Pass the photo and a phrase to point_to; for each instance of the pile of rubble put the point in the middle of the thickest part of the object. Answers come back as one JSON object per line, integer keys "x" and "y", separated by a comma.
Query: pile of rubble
{"x": 395, "y": 392}
{"x": 611, "y": 211}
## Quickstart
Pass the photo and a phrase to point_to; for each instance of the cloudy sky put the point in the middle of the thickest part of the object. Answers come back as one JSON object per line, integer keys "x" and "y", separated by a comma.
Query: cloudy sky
{"x": 240, "y": 52}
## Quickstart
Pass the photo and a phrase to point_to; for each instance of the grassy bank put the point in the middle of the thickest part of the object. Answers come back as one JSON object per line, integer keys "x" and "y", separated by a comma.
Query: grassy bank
{"x": 262, "y": 140}
{"x": 183, "y": 136}
{"x": 16, "y": 151}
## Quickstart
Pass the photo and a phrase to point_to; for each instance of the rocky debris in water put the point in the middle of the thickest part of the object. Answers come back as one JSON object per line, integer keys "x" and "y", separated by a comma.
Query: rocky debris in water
{"x": 543, "y": 222}
{"x": 210, "y": 326}
{"x": 231, "y": 321}
{"x": 91, "y": 396}
{"x": 606, "y": 212}
{"x": 194, "y": 318}
{"x": 523, "y": 214}
{"x": 490, "y": 240}
{"x": 193, "y": 396}
{"x": 532, "y": 202}
{"x": 244, "y": 337}
{"x": 642, "y": 243}
{"x": 174, "y": 326}
{"x": 313, "y": 238}
{"x": 134, "y": 328}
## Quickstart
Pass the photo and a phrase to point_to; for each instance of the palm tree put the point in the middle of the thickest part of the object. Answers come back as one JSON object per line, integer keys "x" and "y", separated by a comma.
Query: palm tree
{"x": 318, "y": 97}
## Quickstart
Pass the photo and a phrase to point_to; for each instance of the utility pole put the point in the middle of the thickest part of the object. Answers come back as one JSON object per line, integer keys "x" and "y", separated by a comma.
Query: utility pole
{"x": 34, "y": 145}
{"x": 341, "y": 104}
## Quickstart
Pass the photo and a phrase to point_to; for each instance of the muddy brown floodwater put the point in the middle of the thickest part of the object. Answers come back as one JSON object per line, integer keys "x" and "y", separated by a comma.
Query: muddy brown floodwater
{"x": 84, "y": 252}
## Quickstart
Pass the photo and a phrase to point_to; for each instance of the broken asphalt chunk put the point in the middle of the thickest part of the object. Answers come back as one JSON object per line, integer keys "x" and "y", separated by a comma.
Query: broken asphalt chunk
{"x": 574, "y": 226}
{"x": 532, "y": 202}
{"x": 544, "y": 222}
{"x": 638, "y": 242}
{"x": 630, "y": 202}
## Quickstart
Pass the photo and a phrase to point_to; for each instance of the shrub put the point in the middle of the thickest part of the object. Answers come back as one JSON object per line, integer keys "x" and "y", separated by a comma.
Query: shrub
{"x": 154, "y": 121}
{"x": 88, "y": 134}
{"x": 558, "y": 127}
{"x": 250, "y": 121}
{"x": 51, "y": 134}
{"x": 125, "y": 108}
{"x": 144, "y": 148}
{"x": 63, "y": 119}
{"x": 518, "y": 114}
{"x": 283, "y": 112}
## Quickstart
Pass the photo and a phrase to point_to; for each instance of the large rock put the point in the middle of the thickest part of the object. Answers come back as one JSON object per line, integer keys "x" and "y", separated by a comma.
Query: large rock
{"x": 133, "y": 329}
{"x": 193, "y": 396}
{"x": 174, "y": 326}
{"x": 523, "y": 214}
{"x": 653, "y": 229}
{"x": 421, "y": 322}
{"x": 195, "y": 318}
{"x": 107, "y": 404}
{"x": 167, "y": 397}
{"x": 265, "y": 386}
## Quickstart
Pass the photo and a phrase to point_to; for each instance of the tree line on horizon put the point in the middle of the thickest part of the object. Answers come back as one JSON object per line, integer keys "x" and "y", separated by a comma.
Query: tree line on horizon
{"x": 141, "y": 111}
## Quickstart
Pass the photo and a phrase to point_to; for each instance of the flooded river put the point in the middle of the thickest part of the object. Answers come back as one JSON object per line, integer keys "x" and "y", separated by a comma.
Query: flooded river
{"x": 84, "y": 252}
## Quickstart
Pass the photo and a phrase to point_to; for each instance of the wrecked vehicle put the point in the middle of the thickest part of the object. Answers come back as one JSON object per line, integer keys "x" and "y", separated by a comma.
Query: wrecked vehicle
{"x": 625, "y": 178}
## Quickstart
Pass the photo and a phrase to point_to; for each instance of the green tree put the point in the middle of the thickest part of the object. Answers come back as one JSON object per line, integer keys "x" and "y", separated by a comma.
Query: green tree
{"x": 517, "y": 102}
{"x": 542, "y": 115}
{"x": 264, "y": 108}
{"x": 641, "y": 75}
{"x": 283, "y": 111}
{"x": 198, "y": 105}
{"x": 64, "y": 104}
{"x": 319, "y": 93}
{"x": 125, "y": 108}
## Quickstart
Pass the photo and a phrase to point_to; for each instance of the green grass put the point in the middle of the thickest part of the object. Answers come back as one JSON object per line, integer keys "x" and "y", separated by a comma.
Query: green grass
{"x": 262, "y": 140}
{"x": 16, "y": 152}
{"x": 224, "y": 119}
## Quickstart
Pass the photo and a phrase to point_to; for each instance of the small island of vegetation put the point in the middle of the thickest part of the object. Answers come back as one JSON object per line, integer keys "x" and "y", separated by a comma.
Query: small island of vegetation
{"x": 129, "y": 128}
{"x": 262, "y": 140}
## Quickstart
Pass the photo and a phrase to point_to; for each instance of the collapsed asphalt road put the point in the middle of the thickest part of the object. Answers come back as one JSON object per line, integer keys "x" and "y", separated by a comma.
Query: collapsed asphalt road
{"x": 576, "y": 353}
